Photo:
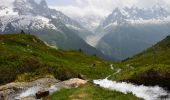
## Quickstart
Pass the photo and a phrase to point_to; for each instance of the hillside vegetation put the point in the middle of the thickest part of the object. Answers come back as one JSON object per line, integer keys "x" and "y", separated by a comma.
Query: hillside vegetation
{"x": 24, "y": 57}
{"x": 151, "y": 67}
{"x": 90, "y": 92}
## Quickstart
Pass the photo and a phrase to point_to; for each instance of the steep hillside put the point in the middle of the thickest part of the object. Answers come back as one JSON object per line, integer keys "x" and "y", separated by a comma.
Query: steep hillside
{"x": 158, "y": 54}
{"x": 127, "y": 31}
{"x": 151, "y": 67}
{"x": 125, "y": 41}
{"x": 48, "y": 24}
{"x": 23, "y": 57}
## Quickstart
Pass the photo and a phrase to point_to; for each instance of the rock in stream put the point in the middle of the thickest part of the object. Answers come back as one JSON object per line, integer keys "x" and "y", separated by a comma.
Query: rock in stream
{"x": 36, "y": 89}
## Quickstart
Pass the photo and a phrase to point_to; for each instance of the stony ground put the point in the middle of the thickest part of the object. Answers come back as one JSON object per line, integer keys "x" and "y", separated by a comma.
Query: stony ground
{"x": 28, "y": 90}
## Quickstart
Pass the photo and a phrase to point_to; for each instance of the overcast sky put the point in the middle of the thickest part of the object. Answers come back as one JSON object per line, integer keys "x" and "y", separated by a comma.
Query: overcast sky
{"x": 100, "y": 8}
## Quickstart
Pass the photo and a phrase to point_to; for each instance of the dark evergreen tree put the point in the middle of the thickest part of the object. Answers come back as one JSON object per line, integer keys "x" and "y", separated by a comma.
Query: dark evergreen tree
{"x": 22, "y": 32}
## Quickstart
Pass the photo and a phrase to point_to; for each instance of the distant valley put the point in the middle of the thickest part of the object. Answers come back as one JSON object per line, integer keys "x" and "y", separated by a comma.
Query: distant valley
{"x": 49, "y": 55}
{"x": 121, "y": 35}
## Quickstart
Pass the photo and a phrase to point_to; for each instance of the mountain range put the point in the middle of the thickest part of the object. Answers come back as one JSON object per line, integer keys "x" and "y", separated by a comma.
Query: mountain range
{"x": 48, "y": 24}
{"x": 124, "y": 33}
{"x": 25, "y": 58}
{"x": 128, "y": 31}
{"x": 33, "y": 36}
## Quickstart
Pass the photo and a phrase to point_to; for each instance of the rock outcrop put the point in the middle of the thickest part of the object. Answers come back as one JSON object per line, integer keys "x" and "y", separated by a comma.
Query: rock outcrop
{"x": 36, "y": 89}
{"x": 41, "y": 94}
{"x": 74, "y": 82}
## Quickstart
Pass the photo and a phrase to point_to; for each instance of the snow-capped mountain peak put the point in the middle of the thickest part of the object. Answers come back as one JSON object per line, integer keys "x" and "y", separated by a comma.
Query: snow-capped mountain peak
{"x": 33, "y": 11}
{"x": 117, "y": 17}
{"x": 126, "y": 14}
{"x": 43, "y": 3}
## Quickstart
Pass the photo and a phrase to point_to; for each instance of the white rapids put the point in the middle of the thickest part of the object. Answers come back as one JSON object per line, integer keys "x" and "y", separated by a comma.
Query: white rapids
{"x": 145, "y": 92}
{"x": 33, "y": 90}
{"x": 29, "y": 92}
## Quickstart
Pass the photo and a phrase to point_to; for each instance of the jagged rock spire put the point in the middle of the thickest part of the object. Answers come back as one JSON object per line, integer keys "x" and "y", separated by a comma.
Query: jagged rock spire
{"x": 31, "y": 1}
{"x": 43, "y": 3}
{"x": 19, "y": 2}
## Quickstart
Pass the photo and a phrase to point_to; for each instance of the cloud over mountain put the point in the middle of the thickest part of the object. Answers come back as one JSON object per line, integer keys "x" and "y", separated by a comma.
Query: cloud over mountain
{"x": 104, "y": 7}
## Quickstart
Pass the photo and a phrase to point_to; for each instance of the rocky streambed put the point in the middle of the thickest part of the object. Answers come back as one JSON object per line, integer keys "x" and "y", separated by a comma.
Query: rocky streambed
{"x": 36, "y": 89}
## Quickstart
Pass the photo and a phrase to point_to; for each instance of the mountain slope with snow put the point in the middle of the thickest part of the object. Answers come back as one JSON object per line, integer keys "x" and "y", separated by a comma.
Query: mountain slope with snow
{"x": 126, "y": 15}
{"x": 48, "y": 24}
{"x": 128, "y": 31}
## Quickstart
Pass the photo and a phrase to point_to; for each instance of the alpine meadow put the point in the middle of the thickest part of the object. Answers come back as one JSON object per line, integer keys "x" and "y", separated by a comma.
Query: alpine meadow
{"x": 84, "y": 50}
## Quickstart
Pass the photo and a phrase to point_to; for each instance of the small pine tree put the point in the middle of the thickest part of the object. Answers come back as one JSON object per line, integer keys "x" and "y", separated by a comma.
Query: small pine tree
{"x": 22, "y": 32}
{"x": 94, "y": 55}
{"x": 80, "y": 50}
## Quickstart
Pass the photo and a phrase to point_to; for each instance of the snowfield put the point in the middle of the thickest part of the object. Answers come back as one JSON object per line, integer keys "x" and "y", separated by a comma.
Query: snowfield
{"x": 26, "y": 22}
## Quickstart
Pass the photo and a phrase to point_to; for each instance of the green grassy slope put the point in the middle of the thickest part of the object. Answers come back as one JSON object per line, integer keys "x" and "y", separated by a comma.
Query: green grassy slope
{"x": 90, "y": 92}
{"x": 151, "y": 67}
{"x": 158, "y": 54}
{"x": 24, "y": 57}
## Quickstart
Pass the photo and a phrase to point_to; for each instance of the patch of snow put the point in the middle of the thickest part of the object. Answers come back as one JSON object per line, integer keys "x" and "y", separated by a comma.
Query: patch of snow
{"x": 145, "y": 92}
{"x": 46, "y": 20}
{"x": 125, "y": 13}
{"x": 26, "y": 22}
{"x": 111, "y": 24}
{"x": 54, "y": 17}
{"x": 115, "y": 13}
{"x": 5, "y": 11}
{"x": 140, "y": 21}
{"x": 150, "y": 21}
{"x": 94, "y": 39}
{"x": 73, "y": 27}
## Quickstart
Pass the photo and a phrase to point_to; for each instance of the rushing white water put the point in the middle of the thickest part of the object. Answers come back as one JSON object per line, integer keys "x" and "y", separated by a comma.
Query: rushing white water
{"x": 53, "y": 89}
{"x": 147, "y": 93}
{"x": 33, "y": 90}
{"x": 29, "y": 92}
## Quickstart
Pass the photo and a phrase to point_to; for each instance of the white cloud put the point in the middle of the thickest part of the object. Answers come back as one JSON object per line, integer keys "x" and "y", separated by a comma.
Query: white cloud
{"x": 99, "y": 7}
{"x": 104, "y": 7}
{"x": 79, "y": 2}
{"x": 6, "y": 2}
{"x": 74, "y": 11}
{"x": 94, "y": 11}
